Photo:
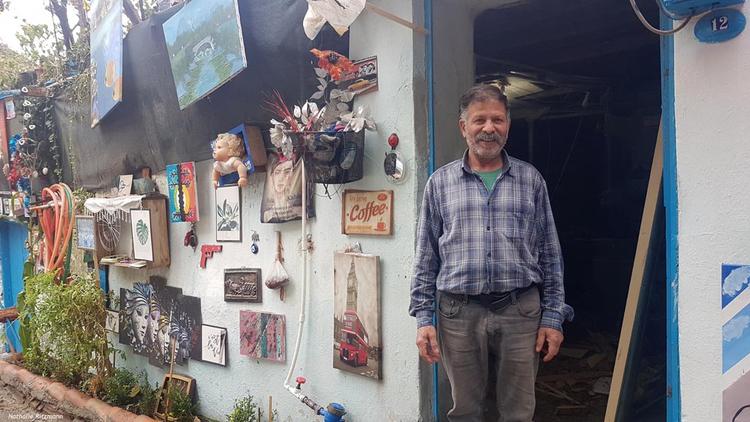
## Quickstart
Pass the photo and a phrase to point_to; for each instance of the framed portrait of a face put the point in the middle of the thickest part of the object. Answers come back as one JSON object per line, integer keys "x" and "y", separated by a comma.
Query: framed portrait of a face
{"x": 282, "y": 193}
{"x": 228, "y": 214}
{"x": 140, "y": 222}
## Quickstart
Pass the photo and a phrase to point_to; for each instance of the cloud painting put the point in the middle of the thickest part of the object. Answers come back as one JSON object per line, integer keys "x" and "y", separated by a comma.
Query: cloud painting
{"x": 735, "y": 339}
{"x": 734, "y": 280}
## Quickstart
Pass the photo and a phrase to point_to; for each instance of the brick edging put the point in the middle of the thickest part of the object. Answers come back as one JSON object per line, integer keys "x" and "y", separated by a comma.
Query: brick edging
{"x": 61, "y": 398}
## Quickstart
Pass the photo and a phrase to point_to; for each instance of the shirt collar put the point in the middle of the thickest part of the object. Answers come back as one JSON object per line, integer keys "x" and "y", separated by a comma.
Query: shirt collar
{"x": 506, "y": 169}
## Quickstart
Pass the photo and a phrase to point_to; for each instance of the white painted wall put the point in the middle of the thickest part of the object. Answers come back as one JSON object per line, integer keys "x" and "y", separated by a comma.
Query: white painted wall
{"x": 396, "y": 396}
{"x": 712, "y": 110}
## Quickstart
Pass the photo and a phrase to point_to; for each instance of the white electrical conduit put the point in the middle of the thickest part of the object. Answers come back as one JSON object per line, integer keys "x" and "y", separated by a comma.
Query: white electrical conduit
{"x": 658, "y": 31}
{"x": 287, "y": 383}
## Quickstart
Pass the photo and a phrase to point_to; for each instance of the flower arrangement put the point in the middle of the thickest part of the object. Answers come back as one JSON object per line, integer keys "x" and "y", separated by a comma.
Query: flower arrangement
{"x": 311, "y": 122}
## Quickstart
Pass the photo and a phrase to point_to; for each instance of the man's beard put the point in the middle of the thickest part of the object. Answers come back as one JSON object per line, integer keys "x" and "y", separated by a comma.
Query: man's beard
{"x": 483, "y": 141}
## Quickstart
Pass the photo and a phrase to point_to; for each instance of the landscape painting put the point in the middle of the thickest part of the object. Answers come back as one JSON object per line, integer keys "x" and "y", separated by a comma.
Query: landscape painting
{"x": 356, "y": 314}
{"x": 263, "y": 336}
{"x": 106, "y": 57}
{"x": 205, "y": 47}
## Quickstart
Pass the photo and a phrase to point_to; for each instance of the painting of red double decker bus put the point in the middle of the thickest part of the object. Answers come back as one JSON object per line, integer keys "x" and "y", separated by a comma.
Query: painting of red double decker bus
{"x": 356, "y": 314}
{"x": 354, "y": 344}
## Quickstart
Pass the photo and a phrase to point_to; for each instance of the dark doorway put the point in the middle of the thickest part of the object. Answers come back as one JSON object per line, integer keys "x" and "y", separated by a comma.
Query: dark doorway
{"x": 583, "y": 78}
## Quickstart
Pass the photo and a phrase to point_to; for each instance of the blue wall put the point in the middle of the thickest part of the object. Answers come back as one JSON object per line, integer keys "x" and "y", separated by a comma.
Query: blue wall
{"x": 13, "y": 254}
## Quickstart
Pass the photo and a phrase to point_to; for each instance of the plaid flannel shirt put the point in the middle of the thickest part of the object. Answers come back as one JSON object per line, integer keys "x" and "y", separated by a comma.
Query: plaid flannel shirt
{"x": 471, "y": 241}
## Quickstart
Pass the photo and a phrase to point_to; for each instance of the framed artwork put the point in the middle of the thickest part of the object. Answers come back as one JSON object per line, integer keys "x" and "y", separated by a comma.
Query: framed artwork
{"x": 140, "y": 224}
{"x": 356, "y": 314}
{"x": 86, "y": 236}
{"x": 181, "y": 382}
{"x": 113, "y": 321}
{"x": 367, "y": 212}
{"x": 125, "y": 185}
{"x": 106, "y": 57}
{"x": 263, "y": 335}
{"x": 6, "y": 206}
{"x": 183, "y": 195}
{"x": 363, "y": 80}
{"x": 214, "y": 344}
{"x": 205, "y": 47}
{"x": 228, "y": 214}
{"x": 243, "y": 284}
{"x": 282, "y": 193}
{"x": 2, "y": 207}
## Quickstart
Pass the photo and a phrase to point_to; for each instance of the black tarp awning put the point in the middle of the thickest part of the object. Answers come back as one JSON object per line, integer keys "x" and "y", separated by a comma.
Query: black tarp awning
{"x": 149, "y": 129}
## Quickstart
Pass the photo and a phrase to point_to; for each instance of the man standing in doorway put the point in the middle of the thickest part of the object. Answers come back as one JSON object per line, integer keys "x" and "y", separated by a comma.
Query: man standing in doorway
{"x": 489, "y": 257}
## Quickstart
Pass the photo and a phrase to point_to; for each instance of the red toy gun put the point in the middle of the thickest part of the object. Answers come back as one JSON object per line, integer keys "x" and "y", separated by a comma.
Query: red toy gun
{"x": 207, "y": 251}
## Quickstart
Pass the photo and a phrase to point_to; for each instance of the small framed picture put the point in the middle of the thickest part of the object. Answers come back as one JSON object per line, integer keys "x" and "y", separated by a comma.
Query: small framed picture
{"x": 214, "y": 344}
{"x": 367, "y": 212}
{"x": 6, "y": 206}
{"x": 228, "y": 214}
{"x": 113, "y": 321}
{"x": 85, "y": 232}
{"x": 243, "y": 284}
{"x": 140, "y": 224}
{"x": 124, "y": 185}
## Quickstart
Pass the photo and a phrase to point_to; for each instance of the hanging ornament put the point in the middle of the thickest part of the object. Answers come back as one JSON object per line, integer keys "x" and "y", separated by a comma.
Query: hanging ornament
{"x": 393, "y": 165}
{"x": 191, "y": 238}
{"x": 27, "y": 116}
{"x": 254, "y": 247}
{"x": 27, "y": 103}
{"x": 32, "y": 127}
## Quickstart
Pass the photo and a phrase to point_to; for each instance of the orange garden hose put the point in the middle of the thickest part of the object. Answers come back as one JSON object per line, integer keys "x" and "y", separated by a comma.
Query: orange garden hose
{"x": 57, "y": 219}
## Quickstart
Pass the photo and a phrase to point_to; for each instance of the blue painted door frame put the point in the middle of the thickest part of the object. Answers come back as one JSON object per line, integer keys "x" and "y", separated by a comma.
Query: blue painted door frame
{"x": 13, "y": 254}
{"x": 670, "y": 208}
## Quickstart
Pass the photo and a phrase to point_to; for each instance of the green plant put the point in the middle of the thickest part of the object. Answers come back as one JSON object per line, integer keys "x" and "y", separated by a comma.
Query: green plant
{"x": 147, "y": 402}
{"x": 63, "y": 328}
{"x": 121, "y": 388}
{"x": 181, "y": 406}
{"x": 246, "y": 410}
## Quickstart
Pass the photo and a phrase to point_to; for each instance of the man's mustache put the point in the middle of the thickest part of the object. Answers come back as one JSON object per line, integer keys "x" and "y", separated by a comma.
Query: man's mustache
{"x": 489, "y": 137}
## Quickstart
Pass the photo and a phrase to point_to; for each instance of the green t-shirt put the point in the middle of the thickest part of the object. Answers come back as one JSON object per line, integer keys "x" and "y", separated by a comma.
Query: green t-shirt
{"x": 489, "y": 177}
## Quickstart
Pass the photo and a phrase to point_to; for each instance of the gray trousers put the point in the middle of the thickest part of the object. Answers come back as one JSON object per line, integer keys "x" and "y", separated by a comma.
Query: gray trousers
{"x": 468, "y": 333}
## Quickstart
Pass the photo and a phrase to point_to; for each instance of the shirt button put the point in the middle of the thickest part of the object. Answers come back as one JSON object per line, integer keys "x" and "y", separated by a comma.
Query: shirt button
{"x": 489, "y": 254}
{"x": 488, "y": 228}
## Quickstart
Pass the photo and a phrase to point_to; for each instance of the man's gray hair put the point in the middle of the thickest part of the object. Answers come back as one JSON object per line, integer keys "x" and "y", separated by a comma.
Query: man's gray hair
{"x": 480, "y": 93}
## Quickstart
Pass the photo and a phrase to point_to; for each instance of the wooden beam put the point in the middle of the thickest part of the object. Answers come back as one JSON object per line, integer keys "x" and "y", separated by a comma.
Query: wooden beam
{"x": 640, "y": 269}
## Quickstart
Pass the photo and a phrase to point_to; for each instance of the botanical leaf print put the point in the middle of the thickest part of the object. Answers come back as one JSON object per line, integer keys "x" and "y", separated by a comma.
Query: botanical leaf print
{"x": 142, "y": 231}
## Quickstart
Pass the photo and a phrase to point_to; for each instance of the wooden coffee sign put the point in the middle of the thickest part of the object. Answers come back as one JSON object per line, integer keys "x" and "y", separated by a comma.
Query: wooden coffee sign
{"x": 367, "y": 212}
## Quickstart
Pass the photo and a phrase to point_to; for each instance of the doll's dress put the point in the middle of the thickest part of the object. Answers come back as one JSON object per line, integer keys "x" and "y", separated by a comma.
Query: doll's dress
{"x": 226, "y": 167}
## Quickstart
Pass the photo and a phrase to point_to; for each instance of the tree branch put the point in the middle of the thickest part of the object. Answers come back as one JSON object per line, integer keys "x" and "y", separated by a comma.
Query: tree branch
{"x": 60, "y": 9}
{"x": 130, "y": 11}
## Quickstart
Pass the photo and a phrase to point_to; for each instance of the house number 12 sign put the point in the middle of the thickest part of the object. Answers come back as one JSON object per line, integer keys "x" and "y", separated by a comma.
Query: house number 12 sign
{"x": 720, "y": 25}
{"x": 367, "y": 212}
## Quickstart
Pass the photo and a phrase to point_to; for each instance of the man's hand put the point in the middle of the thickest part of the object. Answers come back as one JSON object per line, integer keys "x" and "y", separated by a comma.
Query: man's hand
{"x": 427, "y": 344}
{"x": 552, "y": 337}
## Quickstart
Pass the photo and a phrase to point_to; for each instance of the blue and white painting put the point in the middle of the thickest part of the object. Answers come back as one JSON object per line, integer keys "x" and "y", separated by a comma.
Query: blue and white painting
{"x": 735, "y": 339}
{"x": 734, "y": 280}
{"x": 205, "y": 47}
{"x": 106, "y": 57}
